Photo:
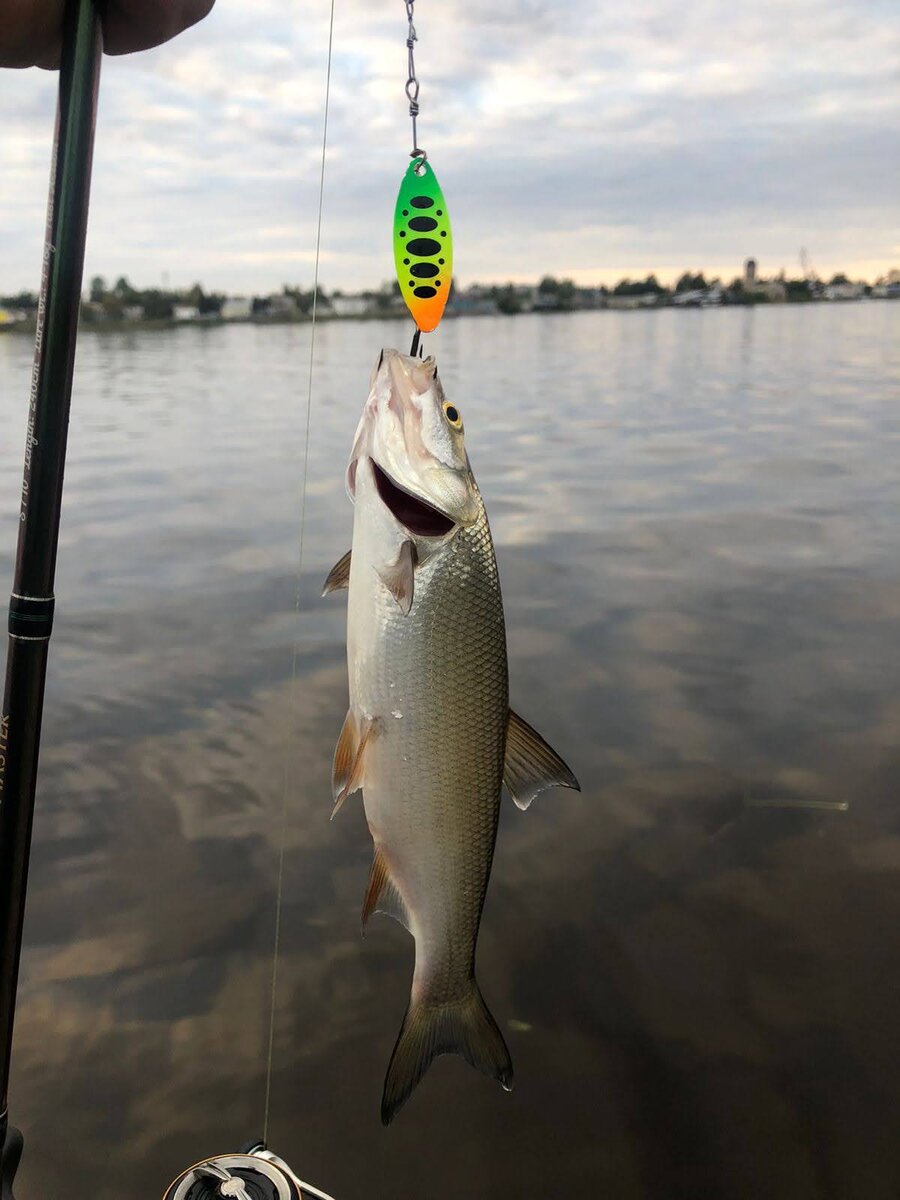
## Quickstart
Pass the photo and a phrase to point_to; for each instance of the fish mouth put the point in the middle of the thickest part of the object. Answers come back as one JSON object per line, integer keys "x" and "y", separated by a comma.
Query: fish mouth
{"x": 420, "y": 518}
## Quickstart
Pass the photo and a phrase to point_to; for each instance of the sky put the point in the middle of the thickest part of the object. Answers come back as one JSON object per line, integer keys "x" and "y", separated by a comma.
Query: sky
{"x": 589, "y": 139}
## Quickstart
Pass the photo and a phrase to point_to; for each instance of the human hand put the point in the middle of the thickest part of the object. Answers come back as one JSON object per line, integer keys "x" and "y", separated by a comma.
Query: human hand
{"x": 31, "y": 30}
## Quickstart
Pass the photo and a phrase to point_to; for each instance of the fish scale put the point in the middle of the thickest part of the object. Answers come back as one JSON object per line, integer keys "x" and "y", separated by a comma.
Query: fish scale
{"x": 447, "y": 662}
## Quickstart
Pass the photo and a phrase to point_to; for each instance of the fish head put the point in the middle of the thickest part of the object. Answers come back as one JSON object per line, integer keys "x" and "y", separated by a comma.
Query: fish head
{"x": 413, "y": 437}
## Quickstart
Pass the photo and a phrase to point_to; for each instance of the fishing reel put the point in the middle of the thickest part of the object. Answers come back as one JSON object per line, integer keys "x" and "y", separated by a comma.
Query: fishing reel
{"x": 254, "y": 1174}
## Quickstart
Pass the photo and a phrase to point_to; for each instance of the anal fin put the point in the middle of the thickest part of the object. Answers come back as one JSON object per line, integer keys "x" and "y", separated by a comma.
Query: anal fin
{"x": 382, "y": 894}
{"x": 531, "y": 765}
{"x": 348, "y": 769}
{"x": 338, "y": 576}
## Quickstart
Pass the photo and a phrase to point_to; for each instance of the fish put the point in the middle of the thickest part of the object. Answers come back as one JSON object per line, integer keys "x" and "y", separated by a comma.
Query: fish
{"x": 429, "y": 736}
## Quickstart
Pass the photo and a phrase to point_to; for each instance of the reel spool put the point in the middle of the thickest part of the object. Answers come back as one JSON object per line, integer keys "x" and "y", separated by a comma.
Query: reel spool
{"x": 254, "y": 1174}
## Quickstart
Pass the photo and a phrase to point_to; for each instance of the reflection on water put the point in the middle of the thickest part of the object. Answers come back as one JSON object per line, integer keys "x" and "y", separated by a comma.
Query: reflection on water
{"x": 695, "y": 961}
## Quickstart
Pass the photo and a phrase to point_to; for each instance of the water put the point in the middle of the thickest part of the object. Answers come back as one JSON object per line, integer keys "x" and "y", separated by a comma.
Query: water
{"x": 695, "y": 962}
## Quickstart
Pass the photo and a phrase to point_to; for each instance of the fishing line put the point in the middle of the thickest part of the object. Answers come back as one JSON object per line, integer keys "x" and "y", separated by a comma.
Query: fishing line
{"x": 296, "y": 645}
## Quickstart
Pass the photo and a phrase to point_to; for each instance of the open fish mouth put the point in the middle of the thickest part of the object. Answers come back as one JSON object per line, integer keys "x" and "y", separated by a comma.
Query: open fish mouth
{"x": 419, "y": 517}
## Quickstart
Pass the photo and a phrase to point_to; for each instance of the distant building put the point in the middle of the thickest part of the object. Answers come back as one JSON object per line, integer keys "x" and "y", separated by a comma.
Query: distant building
{"x": 236, "y": 308}
{"x": 526, "y": 295}
{"x": 590, "y": 298}
{"x": 692, "y": 299}
{"x": 473, "y": 301}
{"x": 12, "y": 316}
{"x": 888, "y": 286}
{"x": 642, "y": 300}
{"x": 133, "y": 312}
{"x": 281, "y": 305}
{"x": 546, "y": 302}
{"x": 350, "y": 306}
{"x": 763, "y": 289}
{"x": 844, "y": 291}
{"x": 185, "y": 312}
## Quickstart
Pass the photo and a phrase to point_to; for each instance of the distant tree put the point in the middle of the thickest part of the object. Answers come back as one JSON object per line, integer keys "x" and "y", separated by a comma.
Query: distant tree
{"x": 98, "y": 289}
{"x": 384, "y": 298}
{"x": 566, "y": 293}
{"x": 797, "y": 290}
{"x": 158, "y": 306}
{"x": 211, "y": 303}
{"x": 840, "y": 278}
{"x": 507, "y": 299}
{"x": 304, "y": 300}
{"x": 690, "y": 283}
{"x": 557, "y": 293}
{"x": 124, "y": 291}
{"x": 113, "y": 309}
{"x": 652, "y": 284}
{"x": 641, "y": 287}
{"x": 297, "y": 295}
{"x": 26, "y": 301}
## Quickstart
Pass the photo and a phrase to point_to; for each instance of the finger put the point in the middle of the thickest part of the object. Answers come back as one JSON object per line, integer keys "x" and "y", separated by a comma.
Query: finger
{"x": 138, "y": 24}
{"x": 30, "y": 33}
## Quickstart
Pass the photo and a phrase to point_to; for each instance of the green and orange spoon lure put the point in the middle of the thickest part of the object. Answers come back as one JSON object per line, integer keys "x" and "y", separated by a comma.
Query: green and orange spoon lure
{"x": 423, "y": 241}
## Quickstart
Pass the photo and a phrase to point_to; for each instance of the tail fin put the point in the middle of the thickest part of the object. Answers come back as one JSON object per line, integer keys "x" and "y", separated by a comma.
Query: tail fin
{"x": 463, "y": 1027}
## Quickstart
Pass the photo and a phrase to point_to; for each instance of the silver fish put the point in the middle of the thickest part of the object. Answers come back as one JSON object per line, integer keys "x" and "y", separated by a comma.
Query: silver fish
{"x": 429, "y": 735}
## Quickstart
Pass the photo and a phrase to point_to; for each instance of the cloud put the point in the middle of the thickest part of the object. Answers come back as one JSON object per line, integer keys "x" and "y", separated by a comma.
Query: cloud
{"x": 594, "y": 140}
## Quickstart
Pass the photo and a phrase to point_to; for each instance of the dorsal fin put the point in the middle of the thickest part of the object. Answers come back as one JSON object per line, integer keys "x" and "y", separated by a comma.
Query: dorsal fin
{"x": 382, "y": 894}
{"x": 531, "y": 765}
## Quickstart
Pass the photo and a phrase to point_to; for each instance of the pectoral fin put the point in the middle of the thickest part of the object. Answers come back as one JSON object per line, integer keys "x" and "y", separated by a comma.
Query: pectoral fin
{"x": 531, "y": 765}
{"x": 382, "y": 894}
{"x": 348, "y": 770}
{"x": 399, "y": 576}
{"x": 338, "y": 576}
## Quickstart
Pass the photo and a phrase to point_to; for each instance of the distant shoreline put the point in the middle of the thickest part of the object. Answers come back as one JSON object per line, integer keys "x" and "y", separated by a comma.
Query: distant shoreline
{"x": 121, "y": 325}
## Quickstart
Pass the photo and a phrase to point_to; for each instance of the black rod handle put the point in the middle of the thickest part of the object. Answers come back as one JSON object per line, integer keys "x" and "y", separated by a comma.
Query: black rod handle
{"x": 31, "y": 606}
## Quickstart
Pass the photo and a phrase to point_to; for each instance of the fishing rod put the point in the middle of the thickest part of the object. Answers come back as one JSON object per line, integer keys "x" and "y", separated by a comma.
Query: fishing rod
{"x": 256, "y": 1172}
{"x": 32, "y": 601}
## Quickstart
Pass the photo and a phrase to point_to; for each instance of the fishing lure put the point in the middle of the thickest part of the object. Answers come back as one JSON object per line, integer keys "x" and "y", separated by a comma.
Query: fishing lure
{"x": 423, "y": 245}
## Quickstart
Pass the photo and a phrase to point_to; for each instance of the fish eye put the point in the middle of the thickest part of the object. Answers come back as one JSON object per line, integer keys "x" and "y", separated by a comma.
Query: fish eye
{"x": 451, "y": 412}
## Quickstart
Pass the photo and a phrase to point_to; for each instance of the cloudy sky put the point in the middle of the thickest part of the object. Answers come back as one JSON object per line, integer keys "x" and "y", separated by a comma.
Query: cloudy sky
{"x": 587, "y": 139}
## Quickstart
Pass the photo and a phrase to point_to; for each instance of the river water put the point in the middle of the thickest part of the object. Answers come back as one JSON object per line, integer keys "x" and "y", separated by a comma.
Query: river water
{"x": 695, "y": 962}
